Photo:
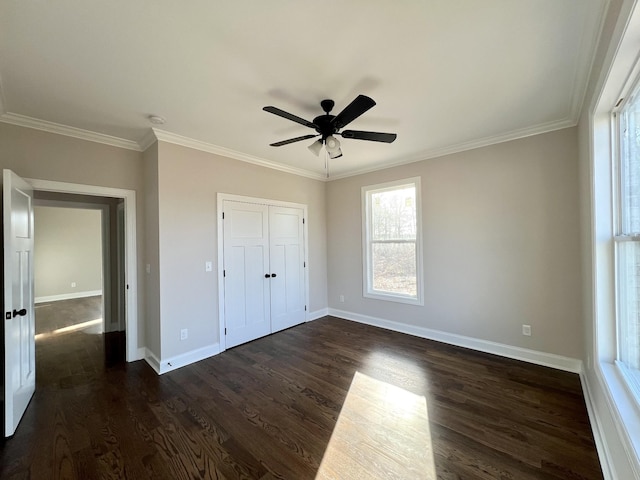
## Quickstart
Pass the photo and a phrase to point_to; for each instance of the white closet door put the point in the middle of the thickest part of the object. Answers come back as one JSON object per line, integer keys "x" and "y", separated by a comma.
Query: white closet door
{"x": 286, "y": 256}
{"x": 246, "y": 261}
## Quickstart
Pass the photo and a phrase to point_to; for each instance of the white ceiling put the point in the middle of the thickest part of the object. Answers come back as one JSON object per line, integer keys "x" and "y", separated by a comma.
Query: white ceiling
{"x": 447, "y": 75}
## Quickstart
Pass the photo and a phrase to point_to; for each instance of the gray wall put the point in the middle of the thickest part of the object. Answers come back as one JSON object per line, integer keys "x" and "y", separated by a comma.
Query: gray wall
{"x": 500, "y": 242}
{"x": 68, "y": 248}
{"x": 152, "y": 253}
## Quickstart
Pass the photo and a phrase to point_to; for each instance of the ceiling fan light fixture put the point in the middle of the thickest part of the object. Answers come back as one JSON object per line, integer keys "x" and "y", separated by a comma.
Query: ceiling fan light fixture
{"x": 332, "y": 144}
{"x": 337, "y": 153}
{"x": 315, "y": 147}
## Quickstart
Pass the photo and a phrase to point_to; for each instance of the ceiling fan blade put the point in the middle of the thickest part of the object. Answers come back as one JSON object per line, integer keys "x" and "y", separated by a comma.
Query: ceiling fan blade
{"x": 292, "y": 140}
{"x": 373, "y": 136}
{"x": 289, "y": 116}
{"x": 361, "y": 104}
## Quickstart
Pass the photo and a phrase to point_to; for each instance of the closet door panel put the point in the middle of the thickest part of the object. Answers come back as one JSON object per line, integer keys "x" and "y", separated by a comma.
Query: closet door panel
{"x": 286, "y": 255}
{"x": 246, "y": 260}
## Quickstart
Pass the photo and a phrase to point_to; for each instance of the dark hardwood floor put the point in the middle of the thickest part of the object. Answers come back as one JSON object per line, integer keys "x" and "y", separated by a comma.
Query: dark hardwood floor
{"x": 327, "y": 399}
{"x": 52, "y": 316}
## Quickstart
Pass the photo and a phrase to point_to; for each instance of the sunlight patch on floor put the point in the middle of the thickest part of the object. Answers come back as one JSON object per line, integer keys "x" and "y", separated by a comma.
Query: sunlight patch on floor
{"x": 91, "y": 324}
{"x": 382, "y": 432}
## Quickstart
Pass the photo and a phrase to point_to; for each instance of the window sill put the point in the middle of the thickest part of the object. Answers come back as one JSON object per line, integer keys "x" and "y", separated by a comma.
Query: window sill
{"x": 625, "y": 411}
{"x": 394, "y": 298}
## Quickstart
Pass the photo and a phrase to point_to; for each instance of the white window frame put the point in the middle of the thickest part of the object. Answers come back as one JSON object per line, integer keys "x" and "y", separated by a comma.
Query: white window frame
{"x": 609, "y": 398}
{"x": 367, "y": 275}
{"x": 631, "y": 376}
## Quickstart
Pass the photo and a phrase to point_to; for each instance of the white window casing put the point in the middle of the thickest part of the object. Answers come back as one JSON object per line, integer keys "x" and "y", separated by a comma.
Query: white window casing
{"x": 392, "y": 241}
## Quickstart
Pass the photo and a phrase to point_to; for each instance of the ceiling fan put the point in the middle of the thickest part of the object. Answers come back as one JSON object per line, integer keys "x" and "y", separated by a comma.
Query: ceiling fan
{"x": 328, "y": 126}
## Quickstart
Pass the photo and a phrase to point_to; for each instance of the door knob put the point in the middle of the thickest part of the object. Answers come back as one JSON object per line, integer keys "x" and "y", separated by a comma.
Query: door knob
{"x": 266, "y": 275}
{"x": 21, "y": 313}
{"x": 273, "y": 275}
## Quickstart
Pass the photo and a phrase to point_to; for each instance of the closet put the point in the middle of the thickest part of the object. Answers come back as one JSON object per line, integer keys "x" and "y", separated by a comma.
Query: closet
{"x": 263, "y": 269}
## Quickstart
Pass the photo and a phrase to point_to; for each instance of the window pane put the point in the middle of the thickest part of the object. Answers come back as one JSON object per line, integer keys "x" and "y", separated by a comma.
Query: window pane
{"x": 394, "y": 214}
{"x": 630, "y": 167}
{"x": 629, "y": 303}
{"x": 394, "y": 268}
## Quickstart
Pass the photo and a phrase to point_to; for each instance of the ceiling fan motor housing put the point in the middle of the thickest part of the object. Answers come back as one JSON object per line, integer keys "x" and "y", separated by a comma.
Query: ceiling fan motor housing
{"x": 324, "y": 125}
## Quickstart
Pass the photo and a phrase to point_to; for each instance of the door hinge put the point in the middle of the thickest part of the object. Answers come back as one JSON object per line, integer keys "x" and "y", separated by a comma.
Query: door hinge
{"x": 305, "y": 308}
{"x": 127, "y": 286}
{"x": 224, "y": 273}
{"x": 223, "y": 215}
{"x": 303, "y": 220}
{"x": 225, "y": 331}
{"x": 304, "y": 264}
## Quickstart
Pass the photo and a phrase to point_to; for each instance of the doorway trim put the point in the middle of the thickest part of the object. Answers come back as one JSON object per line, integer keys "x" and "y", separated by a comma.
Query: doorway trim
{"x": 260, "y": 201}
{"x": 131, "y": 271}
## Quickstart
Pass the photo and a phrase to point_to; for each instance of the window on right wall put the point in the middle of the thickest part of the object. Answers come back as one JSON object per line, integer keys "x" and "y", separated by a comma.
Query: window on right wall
{"x": 627, "y": 239}
{"x": 392, "y": 241}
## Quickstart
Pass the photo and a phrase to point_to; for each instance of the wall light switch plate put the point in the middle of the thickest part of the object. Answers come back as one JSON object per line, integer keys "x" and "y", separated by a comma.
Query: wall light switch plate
{"x": 526, "y": 330}
{"x": 208, "y": 266}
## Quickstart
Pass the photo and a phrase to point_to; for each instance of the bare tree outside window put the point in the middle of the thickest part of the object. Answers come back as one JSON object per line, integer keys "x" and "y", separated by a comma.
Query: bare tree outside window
{"x": 393, "y": 241}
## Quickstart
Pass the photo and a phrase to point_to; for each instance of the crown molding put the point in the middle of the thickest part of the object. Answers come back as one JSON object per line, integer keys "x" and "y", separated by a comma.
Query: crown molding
{"x": 52, "y": 127}
{"x": 155, "y": 134}
{"x": 462, "y": 147}
{"x": 176, "y": 139}
{"x": 148, "y": 140}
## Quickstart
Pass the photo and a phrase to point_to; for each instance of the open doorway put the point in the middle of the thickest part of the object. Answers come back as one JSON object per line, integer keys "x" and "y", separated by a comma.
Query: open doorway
{"x": 129, "y": 276}
{"x": 79, "y": 270}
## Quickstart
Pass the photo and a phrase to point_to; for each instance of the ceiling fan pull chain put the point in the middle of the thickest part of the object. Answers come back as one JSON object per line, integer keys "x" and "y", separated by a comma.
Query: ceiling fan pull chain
{"x": 326, "y": 162}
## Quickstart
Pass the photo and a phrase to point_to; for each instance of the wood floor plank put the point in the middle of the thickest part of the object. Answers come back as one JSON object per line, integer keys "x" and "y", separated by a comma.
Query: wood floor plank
{"x": 292, "y": 406}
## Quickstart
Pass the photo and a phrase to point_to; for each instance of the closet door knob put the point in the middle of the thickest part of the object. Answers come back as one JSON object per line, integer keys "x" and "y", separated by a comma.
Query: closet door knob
{"x": 273, "y": 275}
{"x": 266, "y": 275}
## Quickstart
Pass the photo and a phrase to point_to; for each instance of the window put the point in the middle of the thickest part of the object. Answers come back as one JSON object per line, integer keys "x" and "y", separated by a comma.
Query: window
{"x": 392, "y": 237}
{"x": 627, "y": 240}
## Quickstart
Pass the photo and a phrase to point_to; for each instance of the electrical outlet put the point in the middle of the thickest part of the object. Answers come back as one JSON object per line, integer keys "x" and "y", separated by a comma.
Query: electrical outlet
{"x": 208, "y": 266}
{"x": 73, "y": 284}
{"x": 342, "y": 298}
{"x": 184, "y": 334}
{"x": 526, "y": 330}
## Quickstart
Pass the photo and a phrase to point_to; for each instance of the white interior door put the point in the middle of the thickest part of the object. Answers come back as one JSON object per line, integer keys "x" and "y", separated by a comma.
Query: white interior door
{"x": 19, "y": 323}
{"x": 246, "y": 262}
{"x": 286, "y": 257}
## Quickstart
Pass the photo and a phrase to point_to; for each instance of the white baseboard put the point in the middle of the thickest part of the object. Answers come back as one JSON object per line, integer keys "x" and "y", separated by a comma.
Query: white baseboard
{"x": 559, "y": 362}
{"x": 152, "y": 360}
{"x": 598, "y": 432}
{"x": 68, "y": 296}
{"x": 178, "y": 361}
{"x": 140, "y": 354}
{"x": 317, "y": 314}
